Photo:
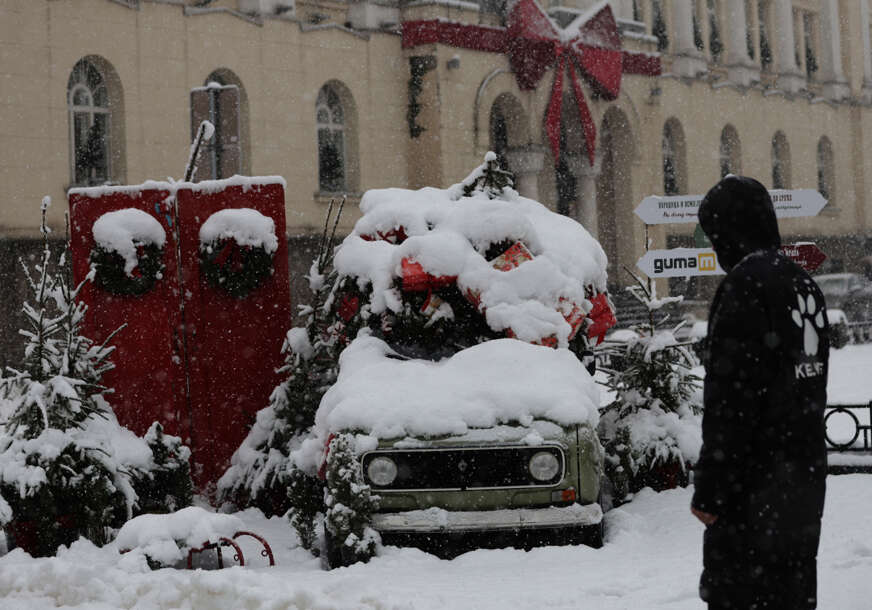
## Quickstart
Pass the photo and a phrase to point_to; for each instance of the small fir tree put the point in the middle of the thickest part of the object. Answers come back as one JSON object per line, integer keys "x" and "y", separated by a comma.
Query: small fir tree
{"x": 656, "y": 405}
{"x": 350, "y": 504}
{"x": 166, "y": 486}
{"x": 59, "y": 480}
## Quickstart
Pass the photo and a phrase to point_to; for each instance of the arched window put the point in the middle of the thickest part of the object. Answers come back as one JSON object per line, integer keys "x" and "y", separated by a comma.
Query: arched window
{"x": 730, "y": 152}
{"x": 780, "y": 161}
{"x": 674, "y": 162}
{"x": 826, "y": 171}
{"x": 220, "y": 101}
{"x": 90, "y": 127}
{"x": 330, "y": 119}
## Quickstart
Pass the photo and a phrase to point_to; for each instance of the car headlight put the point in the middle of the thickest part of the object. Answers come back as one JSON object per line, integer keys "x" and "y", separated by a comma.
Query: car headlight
{"x": 544, "y": 466}
{"x": 382, "y": 471}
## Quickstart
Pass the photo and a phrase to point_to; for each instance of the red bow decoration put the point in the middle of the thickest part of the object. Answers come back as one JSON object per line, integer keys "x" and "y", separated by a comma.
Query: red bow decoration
{"x": 535, "y": 44}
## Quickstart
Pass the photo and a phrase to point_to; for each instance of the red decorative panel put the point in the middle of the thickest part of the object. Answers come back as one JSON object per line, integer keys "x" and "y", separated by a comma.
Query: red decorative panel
{"x": 149, "y": 379}
{"x": 233, "y": 344}
{"x": 192, "y": 356}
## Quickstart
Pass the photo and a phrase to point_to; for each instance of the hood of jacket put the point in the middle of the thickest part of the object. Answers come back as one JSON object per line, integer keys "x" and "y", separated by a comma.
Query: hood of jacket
{"x": 738, "y": 216}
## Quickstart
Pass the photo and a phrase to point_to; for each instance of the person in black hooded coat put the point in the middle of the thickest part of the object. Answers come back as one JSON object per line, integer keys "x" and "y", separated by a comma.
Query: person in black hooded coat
{"x": 761, "y": 475}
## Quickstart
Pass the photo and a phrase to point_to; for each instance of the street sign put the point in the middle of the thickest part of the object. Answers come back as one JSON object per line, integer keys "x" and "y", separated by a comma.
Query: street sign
{"x": 680, "y": 262}
{"x": 691, "y": 262}
{"x": 807, "y": 255}
{"x": 656, "y": 210}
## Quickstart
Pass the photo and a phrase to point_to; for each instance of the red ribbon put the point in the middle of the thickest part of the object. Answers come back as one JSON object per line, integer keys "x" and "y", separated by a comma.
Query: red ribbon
{"x": 535, "y": 44}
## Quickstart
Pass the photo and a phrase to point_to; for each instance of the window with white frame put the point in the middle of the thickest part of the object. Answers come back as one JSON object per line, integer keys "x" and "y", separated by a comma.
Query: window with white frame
{"x": 330, "y": 120}
{"x": 89, "y": 114}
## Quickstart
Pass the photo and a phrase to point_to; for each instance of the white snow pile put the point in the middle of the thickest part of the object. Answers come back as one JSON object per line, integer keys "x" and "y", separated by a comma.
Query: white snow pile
{"x": 382, "y": 396}
{"x": 122, "y": 231}
{"x": 167, "y": 538}
{"x": 246, "y": 226}
{"x": 448, "y": 234}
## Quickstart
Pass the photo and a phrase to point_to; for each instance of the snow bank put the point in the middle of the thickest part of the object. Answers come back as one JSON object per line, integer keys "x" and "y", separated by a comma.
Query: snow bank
{"x": 122, "y": 231}
{"x": 504, "y": 381}
{"x": 448, "y": 235}
{"x": 246, "y": 226}
{"x": 166, "y": 538}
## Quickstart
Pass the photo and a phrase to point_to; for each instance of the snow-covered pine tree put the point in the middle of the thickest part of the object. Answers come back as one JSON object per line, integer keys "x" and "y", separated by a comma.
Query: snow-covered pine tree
{"x": 166, "y": 485}
{"x": 350, "y": 505}
{"x": 58, "y": 480}
{"x": 650, "y": 431}
{"x": 60, "y": 473}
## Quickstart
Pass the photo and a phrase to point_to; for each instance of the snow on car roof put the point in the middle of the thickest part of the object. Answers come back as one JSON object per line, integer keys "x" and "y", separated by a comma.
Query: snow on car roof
{"x": 504, "y": 381}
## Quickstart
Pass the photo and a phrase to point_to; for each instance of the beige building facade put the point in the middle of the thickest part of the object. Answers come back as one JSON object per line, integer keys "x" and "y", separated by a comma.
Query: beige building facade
{"x": 338, "y": 98}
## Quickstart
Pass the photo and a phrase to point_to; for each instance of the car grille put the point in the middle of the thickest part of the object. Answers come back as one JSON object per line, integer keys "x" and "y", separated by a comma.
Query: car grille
{"x": 465, "y": 468}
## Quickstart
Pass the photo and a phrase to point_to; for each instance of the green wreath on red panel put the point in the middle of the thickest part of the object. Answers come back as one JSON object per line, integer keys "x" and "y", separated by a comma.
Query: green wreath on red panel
{"x": 234, "y": 269}
{"x": 112, "y": 277}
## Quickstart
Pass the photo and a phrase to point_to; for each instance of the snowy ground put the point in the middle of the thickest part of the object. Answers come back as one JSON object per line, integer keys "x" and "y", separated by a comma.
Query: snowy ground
{"x": 651, "y": 559}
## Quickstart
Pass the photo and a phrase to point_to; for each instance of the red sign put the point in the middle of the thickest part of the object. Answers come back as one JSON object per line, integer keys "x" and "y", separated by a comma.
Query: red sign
{"x": 806, "y": 255}
{"x": 192, "y": 356}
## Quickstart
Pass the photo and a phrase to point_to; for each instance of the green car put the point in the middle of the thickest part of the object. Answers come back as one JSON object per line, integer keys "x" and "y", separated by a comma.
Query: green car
{"x": 448, "y": 495}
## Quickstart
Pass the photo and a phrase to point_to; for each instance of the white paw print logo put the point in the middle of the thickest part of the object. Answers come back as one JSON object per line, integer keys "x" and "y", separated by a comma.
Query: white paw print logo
{"x": 810, "y": 321}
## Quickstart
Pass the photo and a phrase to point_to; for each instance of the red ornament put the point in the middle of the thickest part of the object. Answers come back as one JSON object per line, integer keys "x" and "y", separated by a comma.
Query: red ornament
{"x": 602, "y": 317}
{"x": 415, "y": 279}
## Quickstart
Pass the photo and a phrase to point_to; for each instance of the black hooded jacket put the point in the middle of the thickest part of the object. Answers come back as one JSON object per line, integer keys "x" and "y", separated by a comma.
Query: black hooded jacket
{"x": 763, "y": 459}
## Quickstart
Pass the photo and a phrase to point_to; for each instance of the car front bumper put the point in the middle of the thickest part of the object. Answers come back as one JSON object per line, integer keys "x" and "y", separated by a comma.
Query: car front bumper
{"x": 439, "y": 521}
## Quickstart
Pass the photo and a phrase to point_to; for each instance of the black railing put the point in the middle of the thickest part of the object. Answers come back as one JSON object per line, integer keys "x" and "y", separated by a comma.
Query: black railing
{"x": 862, "y": 438}
{"x": 860, "y": 332}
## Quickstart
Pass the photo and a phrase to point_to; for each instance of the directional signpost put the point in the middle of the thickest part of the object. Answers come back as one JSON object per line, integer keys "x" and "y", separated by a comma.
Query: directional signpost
{"x": 655, "y": 210}
{"x": 684, "y": 262}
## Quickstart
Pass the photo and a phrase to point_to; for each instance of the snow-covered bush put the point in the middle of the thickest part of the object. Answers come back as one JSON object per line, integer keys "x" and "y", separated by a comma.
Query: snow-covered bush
{"x": 350, "y": 504}
{"x": 651, "y": 431}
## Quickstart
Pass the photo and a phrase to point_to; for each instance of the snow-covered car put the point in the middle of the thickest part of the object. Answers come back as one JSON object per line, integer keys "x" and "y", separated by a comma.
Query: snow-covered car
{"x": 850, "y": 292}
{"x": 494, "y": 446}
{"x": 473, "y": 313}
